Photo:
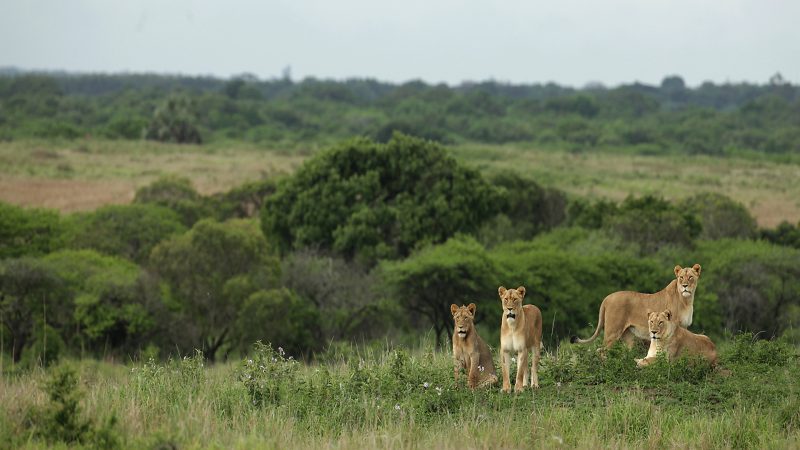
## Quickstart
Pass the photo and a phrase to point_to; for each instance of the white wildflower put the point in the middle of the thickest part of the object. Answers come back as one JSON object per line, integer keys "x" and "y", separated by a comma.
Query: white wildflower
{"x": 513, "y": 359}
{"x": 558, "y": 384}
{"x": 480, "y": 368}
{"x": 397, "y": 406}
{"x": 249, "y": 361}
{"x": 426, "y": 385}
{"x": 280, "y": 351}
{"x": 439, "y": 390}
{"x": 558, "y": 439}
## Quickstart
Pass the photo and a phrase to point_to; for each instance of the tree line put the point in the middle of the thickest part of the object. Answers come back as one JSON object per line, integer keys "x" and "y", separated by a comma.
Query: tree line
{"x": 648, "y": 119}
{"x": 368, "y": 240}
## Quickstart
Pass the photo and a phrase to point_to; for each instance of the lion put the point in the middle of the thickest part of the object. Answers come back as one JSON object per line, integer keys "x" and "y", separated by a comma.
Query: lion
{"x": 670, "y": 338}
{"x": 470, "y": 352}
{"x": 520, "y": 332}
{"x": 624, "y": 313}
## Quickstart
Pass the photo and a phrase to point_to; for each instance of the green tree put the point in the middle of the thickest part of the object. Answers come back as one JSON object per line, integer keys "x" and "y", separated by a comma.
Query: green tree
{"x": 28, "y": 231}
{"x": 112, "y": 304}
{"x": 784, "y": 234}
{"x": 428, "y": 282}
{"x": 177, "y": 194}
{"x": 280, "y": 317}
{"x": 371, "y": 201}
{"x": 757, "y": 284}
{"x": 720, "y": 216}
{"x": 28, "y": 289}
{"x": 174, "y": 121}
{"x": 531, "y": 208}
{"x": 128, "y": 231}
{"x": 211, "y": 271}
{"x": 653, "y": 223}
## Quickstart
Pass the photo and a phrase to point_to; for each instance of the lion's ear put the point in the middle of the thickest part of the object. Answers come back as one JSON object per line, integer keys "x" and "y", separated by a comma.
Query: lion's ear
{"x": 501, "y": 290}
{"x": 521, "y": 291}
{"x": 453, "y": 309}
{"x": 668, "y": 313}
{"x": 696, "y": 268}
{"x": 471, "y": 307}
{"x": 678, "y": 270}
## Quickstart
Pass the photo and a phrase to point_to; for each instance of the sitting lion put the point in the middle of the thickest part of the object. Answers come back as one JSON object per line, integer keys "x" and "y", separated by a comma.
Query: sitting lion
{"x": 470, "y": 352}
{"x": 670, "y": 338}
{"x": 520, "y": 332}
{"x": 624, "y": 313}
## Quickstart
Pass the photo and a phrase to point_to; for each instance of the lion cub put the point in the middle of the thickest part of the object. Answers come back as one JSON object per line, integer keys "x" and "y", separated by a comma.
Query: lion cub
{"x": 470, "y": 352}
{"x": 667, "y": 336}
{"x": 520, "y": 332}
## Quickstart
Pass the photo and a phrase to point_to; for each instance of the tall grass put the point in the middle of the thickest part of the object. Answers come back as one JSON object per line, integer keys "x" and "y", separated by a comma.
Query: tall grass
{"x": 393, "y": 398}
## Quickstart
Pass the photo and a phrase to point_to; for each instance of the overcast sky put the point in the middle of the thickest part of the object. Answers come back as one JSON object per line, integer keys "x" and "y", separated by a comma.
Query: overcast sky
{"x": 567, "y": 41}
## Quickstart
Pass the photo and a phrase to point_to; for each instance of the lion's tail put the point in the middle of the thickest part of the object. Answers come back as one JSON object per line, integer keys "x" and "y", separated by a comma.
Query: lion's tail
{"x": 600, "y": 322}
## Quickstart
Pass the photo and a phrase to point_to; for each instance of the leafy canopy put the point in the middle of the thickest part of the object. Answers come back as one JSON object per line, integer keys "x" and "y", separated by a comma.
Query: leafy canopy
{"x": 369, "y": 200}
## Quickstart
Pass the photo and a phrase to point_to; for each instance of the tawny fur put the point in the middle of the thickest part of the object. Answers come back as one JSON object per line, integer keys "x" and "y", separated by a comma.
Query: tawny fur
{"x": 470, "y": 352}
{"x": 623, "y": 315}
{"x": 668, "y": 337}
{"x": 520, "y": 332}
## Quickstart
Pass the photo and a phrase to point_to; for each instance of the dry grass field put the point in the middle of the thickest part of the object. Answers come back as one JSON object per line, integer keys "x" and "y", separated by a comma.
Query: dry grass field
{"x": 82, "y": 175}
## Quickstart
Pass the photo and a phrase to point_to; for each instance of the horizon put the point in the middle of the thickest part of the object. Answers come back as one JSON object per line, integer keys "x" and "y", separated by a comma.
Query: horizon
{"x": 571, "y": 43}
{"x": 14, "y": 70}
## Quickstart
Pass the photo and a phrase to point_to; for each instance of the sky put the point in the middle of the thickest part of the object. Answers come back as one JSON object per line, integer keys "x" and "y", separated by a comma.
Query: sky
{"x": 570, "y": 42}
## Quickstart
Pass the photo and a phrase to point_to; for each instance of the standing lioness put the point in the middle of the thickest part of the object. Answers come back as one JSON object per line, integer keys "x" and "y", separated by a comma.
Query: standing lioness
{"x": 470, "y": 352}
{"x": 624, "y": 313}
{"x": 520, "y": 332}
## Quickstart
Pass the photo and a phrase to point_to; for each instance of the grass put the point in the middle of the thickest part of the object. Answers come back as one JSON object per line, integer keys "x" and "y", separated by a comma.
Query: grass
{"x": 392, "y": 398}
{"x": 85, "y": 174}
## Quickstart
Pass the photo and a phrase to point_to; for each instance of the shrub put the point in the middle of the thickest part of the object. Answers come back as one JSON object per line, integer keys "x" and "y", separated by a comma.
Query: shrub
{"x": 177, "y": 194}
{"x": 372, "y": 201}
{"x": 25, "y": 231}
{"x": 127, "y": 231}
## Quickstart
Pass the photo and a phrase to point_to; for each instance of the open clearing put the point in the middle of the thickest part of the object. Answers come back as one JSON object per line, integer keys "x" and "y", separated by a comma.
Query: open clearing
{"x": 85, "y": 174}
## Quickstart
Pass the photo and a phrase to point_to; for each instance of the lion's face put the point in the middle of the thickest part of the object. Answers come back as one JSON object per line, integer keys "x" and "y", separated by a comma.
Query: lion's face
{"x": 463, "y": 316}
{"x": 511, "y": 300}
{"x": 660, "y": 324}
{"x": 687, "y": 279}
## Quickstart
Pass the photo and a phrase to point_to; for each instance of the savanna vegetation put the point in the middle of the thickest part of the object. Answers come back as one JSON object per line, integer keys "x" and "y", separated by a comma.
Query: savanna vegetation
{"x": 133, "y": 324}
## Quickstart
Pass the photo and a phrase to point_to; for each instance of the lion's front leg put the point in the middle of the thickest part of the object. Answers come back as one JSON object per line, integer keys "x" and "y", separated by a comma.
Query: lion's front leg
{"x": 505, "y": 361}
{"x": 522, "y": 371}
{"x": 641, "y": 362}
{"x": 474, "y": 372}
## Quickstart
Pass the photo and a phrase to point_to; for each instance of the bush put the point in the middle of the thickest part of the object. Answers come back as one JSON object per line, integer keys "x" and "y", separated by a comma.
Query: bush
{"x": 720, "y": 216}
{"x": 177, "y": 194}
{"x": 211, "y": 271}
{"x": 428, "y": 282}
{"x": 31, "y": 232}
{"x": 127, "y": 231}
{"x": 653, "y": 223}
{"x": 279, "y": 316}
{"x": 112, "y": 303}
{"x": 349, "y": 297}
{"x": 61, "y": 420}
{"x": 174, "y": 121}
{"x": 757, "y": 284}
{"x": 372, "y": 201}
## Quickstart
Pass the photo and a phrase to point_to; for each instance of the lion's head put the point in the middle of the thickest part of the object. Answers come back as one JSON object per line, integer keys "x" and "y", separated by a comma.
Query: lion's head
{"x": 463, "y": 316}
{"x": 511, "y": 300}
{"x": 660, "y": 324}
{"x": 687, "y": 279}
